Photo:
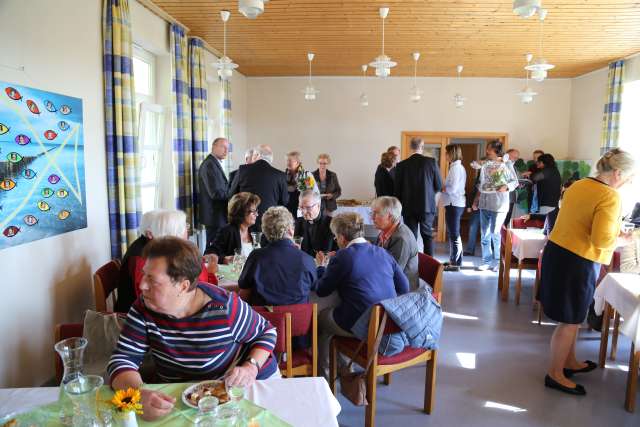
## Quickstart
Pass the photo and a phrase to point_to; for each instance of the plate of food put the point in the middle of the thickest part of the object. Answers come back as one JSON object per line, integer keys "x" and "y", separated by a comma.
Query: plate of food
{"x": 216, "y": 388}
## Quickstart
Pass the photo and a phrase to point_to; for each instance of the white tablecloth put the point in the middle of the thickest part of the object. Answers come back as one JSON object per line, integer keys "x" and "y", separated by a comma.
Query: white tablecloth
{"x": 527, "y": 243}
{"x": 298, "y": 401}
{"x": 622, "y": 292}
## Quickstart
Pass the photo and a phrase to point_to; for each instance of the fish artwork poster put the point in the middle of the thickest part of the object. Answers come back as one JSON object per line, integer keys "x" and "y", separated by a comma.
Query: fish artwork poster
{"x": 42, "y": 190}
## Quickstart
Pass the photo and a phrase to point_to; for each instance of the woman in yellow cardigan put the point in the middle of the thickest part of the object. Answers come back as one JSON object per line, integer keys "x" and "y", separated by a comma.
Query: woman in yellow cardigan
{"x": 584, "y": 237}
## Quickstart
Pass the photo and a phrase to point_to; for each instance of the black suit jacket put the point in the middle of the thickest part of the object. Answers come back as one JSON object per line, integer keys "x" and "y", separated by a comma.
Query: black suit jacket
{"x": 316, "y": 236}
{"x": 333, "y": 187}
{"x": 383, "y": 182}
{"x": 417, "y": 180}
{"x": 264, "y": 180}
{"x": 226, "y": 242}
{"x": 212, "y": 197}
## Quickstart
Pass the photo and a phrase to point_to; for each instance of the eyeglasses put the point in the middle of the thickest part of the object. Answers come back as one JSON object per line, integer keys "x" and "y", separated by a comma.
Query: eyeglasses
{"x": 252, "y": 212}
{"x": 308, "y": 208}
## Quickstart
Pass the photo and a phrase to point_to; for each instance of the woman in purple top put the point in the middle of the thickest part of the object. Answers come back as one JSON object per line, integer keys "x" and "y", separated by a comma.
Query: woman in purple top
{"x": 194, "y": 331}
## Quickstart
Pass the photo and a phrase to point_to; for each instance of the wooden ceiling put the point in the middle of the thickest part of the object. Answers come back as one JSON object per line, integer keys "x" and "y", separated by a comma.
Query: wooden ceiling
{"x": 483, "y": 35}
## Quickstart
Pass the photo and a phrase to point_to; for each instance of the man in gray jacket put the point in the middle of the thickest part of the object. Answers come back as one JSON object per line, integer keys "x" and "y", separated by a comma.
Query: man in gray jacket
{"x": 396, "y": 237}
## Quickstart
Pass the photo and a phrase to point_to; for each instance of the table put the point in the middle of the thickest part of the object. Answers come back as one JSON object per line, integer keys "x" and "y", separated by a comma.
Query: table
{"x": 298, "y": 401}
{"x": 526, "y": 244}
{"x": 621, "y": 292}
{"x": 229, "y": 279}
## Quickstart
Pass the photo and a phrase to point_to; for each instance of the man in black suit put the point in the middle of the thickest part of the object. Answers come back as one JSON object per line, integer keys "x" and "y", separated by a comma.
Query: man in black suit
{"x": 248, "y": 159}
{"x": 262, "y": 179}
{"x": 314, "y": 226}
{"x": 417, "y": 180}
{"x": 213, "y": 185}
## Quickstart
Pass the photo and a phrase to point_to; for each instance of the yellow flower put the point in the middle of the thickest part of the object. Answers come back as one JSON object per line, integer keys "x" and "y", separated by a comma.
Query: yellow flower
{"x": 128, "y": 400}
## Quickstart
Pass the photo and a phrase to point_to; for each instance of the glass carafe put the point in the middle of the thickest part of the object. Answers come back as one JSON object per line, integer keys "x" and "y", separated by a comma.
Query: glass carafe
{"x": 83, "y": 393}
{"x": 71, "y": 352}
{"x": 207, "y": 410}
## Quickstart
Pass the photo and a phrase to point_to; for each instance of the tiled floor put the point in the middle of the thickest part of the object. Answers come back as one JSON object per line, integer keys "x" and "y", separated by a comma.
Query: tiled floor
{"x": 492, "y": 354}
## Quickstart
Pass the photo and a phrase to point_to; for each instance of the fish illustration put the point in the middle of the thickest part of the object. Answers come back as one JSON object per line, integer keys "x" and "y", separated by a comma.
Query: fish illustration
{"x": 14, "y": 157}
{"x": 43, "y": 206}
{"x": 63, "y": 214}
{"x": 29, "y": 173}
{"x": 50, "y": 135}
{"x": 65, "y": 109}
{"x": 46, "y": 192}
{"x": 63, "y": 125}
{"x": 7, "y": 184}
{"x": 13, "y": 93}
{"x": 49, "y": 106}
{"x": 54, "y": 179}
{"x": 33, "y": 107}
{"x": 62, "y": 193}
{"x": 4, "y": 129}
{"x": 30, "y": 220}
{"x": 11, "y": 231}
{"x": 22, "y": 139}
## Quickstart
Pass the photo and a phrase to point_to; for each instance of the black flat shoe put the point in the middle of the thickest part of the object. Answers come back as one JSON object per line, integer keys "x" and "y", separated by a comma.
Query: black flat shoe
{"x": 578, "y": 390}
{"x": 451, "y": 267}
{"x": 590, "y": 367}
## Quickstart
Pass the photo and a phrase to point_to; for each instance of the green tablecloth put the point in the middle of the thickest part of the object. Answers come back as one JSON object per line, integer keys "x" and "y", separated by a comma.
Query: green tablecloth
{"x": 182, "y": 415}
{"x": 227, "y": 272}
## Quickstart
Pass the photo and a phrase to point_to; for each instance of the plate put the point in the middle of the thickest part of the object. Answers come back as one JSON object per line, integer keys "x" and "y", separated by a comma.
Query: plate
{"x": 215, "y": 387}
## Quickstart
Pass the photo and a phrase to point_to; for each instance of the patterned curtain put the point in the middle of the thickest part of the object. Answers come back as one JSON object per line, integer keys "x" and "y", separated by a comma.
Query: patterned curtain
{"x": 612, "y": 106}
{"x": 182, "y": 142}
{"x": 198, "y": 75}
{"x": 121, "y": 126}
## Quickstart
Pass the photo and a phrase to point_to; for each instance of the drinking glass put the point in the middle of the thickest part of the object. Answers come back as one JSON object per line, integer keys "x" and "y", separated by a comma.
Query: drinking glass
{"x": 71, "y": 352}
{"x": 298, "y": 241}
{"x": 238, "y": 263}
{"x": 256, "y": 237}
{"x": 207, "y": 409}
{"x": 83, "y": 393}
{"x": 236, "y": 394}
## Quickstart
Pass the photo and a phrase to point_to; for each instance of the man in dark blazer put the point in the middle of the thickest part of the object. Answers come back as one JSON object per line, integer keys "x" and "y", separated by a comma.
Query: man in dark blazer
{"x": 262, "y": 179}
{"x": 417, "y": 180}
{"x": 248, "y": 159}
{"x": 212, "y": 187}
{"x": 314, "y": 225}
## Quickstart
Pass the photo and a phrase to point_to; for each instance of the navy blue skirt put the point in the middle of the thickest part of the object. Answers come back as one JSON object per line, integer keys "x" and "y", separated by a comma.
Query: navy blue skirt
{"x": 567, "y": 284}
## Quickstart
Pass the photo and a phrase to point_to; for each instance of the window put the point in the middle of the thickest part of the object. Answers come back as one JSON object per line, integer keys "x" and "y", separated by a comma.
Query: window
{"x": 630, "y": 139}
{"x": 150, "y": 127}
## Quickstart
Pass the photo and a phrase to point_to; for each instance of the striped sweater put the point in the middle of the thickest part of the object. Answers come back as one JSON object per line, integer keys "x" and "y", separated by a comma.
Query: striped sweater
{"x": 200, "y": 347}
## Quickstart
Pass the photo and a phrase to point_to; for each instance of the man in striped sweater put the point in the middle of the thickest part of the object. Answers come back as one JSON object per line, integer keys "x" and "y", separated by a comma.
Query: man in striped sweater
{"x": 193, "y": 330}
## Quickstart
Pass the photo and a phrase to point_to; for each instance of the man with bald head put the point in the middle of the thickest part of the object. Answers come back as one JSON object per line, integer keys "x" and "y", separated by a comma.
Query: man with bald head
{"x": 262, "y": 179}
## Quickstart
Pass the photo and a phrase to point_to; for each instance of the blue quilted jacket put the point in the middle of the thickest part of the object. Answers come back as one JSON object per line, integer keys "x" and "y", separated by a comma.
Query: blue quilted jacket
{"x": 419, "y": 316}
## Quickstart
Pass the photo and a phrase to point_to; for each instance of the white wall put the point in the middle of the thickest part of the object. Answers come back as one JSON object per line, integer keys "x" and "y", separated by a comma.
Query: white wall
{"x": 355, "y": 136}
{"x": 587, "y": 106}
{"x": 49, "y": 281}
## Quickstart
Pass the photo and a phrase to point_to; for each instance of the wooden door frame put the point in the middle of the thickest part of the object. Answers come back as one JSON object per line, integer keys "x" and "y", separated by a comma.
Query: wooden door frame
{"x": 444, "y": 139}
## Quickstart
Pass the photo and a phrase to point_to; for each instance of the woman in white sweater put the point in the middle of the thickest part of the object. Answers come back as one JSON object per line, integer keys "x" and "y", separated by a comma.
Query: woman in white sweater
{"x": 454, "y": 203}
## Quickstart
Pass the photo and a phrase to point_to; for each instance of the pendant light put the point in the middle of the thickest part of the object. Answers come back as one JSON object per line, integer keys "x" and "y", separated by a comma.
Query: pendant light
{"x": 364, "y": 101}
{"x": 458, "y": 99}
{"x": 251, "y": 8}
{"x": 526, "y": 8}
{"x": 415, "y": 95}
{"x": 526, "y": 94}
{"x": 383, "y": 63}
{"x": 225, "y": 65}
{"x": 539, "y": 66}
{"x": 309, "y": 91}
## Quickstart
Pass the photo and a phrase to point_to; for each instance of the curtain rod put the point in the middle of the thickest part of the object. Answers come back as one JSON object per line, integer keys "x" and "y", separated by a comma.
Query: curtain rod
{"x": 153, "y": 8}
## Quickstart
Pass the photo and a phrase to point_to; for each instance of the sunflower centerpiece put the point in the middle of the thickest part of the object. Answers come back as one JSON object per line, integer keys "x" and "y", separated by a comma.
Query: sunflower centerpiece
{"x": 127, "y": 405}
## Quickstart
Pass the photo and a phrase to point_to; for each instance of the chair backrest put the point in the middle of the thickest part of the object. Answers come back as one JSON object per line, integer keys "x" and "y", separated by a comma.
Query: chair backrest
{"x": 279, "y": 320}
{"x": 301, "y": 317}
{"x": 61, "y": 332}
{"x": 105, "y": 281}
{"x": 518, "y": 223}
{"x": 431, "y": 270}
{"x": 505, "y": 240}
{"x": 524, "y": 223}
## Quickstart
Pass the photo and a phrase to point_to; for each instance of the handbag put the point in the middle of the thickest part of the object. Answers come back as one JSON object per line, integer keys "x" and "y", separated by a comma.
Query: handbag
{"x": 353, "y": 385}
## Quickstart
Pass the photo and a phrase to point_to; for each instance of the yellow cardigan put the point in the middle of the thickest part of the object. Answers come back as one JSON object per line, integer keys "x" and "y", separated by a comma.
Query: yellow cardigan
{"x": 589, "y": 222}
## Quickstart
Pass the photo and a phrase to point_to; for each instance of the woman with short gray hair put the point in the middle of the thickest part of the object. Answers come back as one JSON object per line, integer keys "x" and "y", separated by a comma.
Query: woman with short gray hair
{"x": 279, "y": 273}
{"x": 396, "y": 237}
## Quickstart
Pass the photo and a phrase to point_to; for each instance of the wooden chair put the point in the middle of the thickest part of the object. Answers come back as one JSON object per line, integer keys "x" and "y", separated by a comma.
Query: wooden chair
{"x": 508, "y": 261}
{"x": 431, "y": 271}
{"x": 61, "y": 332}
{"x": 282, "y": 323}
{"x": 536, "y": 287}
{"x": 526, "y": 223}
{"x": 105, "y": 281}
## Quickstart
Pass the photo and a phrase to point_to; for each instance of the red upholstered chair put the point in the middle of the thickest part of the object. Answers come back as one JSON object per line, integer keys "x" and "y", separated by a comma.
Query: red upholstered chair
{"x": 430, "y": 270}
{"x": 105, "y": 282}
{"x": 383, "y": 365}
{"x": 525, "y": 223}
{"x": 282, "y": 323}
{"x": 304, "y": 322}
{"x": 61, "y": 332}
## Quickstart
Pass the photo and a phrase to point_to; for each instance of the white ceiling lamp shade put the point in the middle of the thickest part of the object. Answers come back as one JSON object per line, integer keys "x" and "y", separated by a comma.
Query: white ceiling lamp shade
{"x": 225, "y": 65}
{"x": 364, "y": 101}
{"x": 382, "y": 63}
{"x": 539, "y": 67}
{"x": 251, "y": 8}
{"x": 526, "y": 8}
{"x": 458, "y": 99}
{"x": 309, "y": 91}
{"x": 415, "y": 95}
{"x": 526, "y": 94}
